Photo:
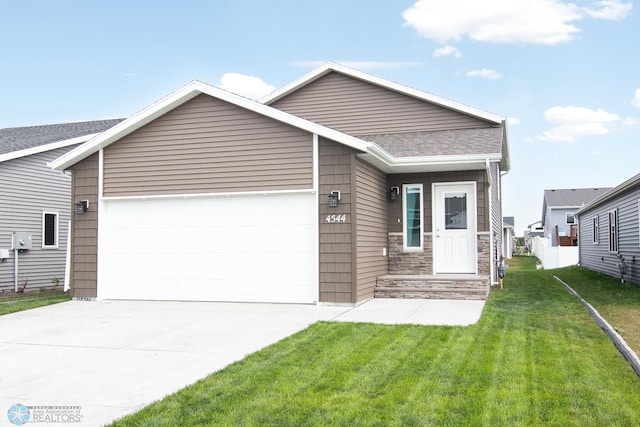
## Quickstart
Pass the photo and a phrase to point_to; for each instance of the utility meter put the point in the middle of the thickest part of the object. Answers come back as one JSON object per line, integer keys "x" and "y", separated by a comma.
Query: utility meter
{"x": 21, "y": 240}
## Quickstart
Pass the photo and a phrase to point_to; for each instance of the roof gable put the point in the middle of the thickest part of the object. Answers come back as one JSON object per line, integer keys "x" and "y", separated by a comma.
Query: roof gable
{"x": 571, "y": 198}
{"x": 330, "y": 67}
{"x": 180, "y": 97}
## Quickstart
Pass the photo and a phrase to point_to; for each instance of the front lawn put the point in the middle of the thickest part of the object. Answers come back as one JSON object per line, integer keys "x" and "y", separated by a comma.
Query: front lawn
{"x": 25, "y": 301}
{"x": 535, "y": 358}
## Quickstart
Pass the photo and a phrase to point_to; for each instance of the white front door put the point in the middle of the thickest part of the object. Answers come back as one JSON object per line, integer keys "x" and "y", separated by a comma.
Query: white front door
{"x": 454, "y": 227}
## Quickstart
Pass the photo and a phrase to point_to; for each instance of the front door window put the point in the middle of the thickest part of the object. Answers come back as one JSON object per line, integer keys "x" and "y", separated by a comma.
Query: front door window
{"x": 455, "y": 211}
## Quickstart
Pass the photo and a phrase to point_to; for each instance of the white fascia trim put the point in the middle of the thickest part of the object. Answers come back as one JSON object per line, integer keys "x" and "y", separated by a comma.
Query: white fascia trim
{"x": 200, "y": 195}
{"x": 425, "y": 96}
{"x": 45, "y": 147}
{"x": 185, "y": 94}
{"x": 392, "y": 161}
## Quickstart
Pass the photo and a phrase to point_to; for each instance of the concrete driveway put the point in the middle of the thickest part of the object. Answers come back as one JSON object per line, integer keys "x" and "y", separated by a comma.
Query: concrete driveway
{"x": 102, "y": 360}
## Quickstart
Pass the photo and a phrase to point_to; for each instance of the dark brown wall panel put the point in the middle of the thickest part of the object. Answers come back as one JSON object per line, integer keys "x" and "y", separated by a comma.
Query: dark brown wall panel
{"x": 427, "y": 179}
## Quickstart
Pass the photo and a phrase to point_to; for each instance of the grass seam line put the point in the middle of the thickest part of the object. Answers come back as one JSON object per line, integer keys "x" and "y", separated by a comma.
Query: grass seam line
{"x": 618, "y": 341}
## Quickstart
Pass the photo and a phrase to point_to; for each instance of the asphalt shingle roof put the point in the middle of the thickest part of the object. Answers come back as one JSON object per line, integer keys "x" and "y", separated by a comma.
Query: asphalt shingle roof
{"x": 572, "y": 197}
{"x": 440, "y": 143}
{"x": 22, "y": 138}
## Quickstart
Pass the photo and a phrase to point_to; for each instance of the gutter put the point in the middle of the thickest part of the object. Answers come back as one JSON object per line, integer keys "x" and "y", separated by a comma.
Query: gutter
{"x": 491, "y": 246}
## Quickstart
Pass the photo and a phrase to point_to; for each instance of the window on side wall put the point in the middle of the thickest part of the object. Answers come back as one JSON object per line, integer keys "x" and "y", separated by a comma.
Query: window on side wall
{"x": 50, "y": 230}
{"x": 570, "y": 218}
{"x": 613, "y": 231}
{"x": 412, "y": 207}
{"x": 596, "y": 231}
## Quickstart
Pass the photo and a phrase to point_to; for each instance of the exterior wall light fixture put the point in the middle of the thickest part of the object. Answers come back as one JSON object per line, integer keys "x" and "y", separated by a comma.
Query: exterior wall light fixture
{"x": 81, "y": 207}
{"x": 393, "y": 193}
{"x": 334, "y": 199}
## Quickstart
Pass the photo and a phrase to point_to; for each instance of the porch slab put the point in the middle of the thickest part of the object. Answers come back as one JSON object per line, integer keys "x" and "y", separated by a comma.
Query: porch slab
{"x": 439, "y": 312}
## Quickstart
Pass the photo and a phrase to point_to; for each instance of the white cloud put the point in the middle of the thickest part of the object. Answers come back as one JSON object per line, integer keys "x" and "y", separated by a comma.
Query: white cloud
{"x": 609, "y": 9}
{"x": 574, "y": 122}
{"x": 513, "y": 121}
{"x": 485, "y": 74}
{"x": 360, "y": 65}
{"x": 546, "y": 22}
{"x": 447, "y": 51}
{"x": 636, "y": 100}
{"x": 248, "y": 86}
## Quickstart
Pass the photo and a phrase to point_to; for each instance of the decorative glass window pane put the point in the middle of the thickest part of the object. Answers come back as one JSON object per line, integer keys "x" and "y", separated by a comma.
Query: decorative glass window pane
{"x": 455, "y": 211}
{"x": 413, "y": 217}
{"x": 596, "y": 232}
{"x": 49, "y": 230}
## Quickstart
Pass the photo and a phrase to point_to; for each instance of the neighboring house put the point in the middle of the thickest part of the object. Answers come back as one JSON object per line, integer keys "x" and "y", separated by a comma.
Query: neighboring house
{"x": 533, "y": 230}
{"x": 508, "y": 236}
{"x": 35, "y": 201}
{"x": 558, "y": 209}
{"x": 609, "y": 230}
{"x": 337, "y": 188}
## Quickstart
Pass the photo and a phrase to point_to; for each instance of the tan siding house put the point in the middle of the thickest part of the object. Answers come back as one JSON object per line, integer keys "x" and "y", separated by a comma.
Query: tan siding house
{"x": 335, "y": 189}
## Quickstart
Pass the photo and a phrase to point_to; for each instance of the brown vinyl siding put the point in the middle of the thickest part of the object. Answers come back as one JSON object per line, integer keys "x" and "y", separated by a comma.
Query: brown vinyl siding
{"x": 427, "y": 179}
{"x": 336, "y": 239}
{"x": 209, "y": 146}
{"x": 597, "y": 256}
{"x": 371, "y": 200}
{"x": 84, "y": 251}
{"x": 360, "y": 108}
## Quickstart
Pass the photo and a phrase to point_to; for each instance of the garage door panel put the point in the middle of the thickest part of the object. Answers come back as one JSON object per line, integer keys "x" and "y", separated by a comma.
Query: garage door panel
{"x": 254, "y": 248}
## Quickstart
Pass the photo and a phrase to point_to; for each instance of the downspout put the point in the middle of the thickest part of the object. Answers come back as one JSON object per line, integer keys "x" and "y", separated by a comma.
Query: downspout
{"x": 491, "y": 248}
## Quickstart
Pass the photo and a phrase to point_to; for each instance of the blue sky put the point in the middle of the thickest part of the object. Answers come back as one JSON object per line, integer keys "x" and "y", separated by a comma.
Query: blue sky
{"x": 564, "y": 73}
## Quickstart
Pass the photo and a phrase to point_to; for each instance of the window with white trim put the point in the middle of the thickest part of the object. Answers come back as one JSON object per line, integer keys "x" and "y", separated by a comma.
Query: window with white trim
{"x": 596, "y": 231}
{"x": 569, "y": 218}
{"x": 50, "y": 230}
{"x": 412, "y": 212}
{"x": 613, "y": 231}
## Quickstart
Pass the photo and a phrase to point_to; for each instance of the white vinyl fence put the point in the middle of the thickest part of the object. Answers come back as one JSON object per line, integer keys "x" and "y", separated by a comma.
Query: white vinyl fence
{"x": 554, "y": 256}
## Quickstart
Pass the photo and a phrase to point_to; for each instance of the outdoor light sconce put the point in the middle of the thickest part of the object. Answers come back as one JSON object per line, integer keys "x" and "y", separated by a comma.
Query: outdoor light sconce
{"x": 334, "y": 199}
{"x": 393, "y": 193}
{"x": 81, "y": 207}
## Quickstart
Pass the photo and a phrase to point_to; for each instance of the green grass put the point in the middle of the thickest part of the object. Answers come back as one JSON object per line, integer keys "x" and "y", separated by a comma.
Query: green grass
{"x": 26, "y": 301}
{"x": 535, "y": 358}
{"x": 617, "y": 302}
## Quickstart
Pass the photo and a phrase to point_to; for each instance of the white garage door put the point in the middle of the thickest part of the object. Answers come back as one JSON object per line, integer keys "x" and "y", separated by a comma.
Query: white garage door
{"x": 254, "y": 248}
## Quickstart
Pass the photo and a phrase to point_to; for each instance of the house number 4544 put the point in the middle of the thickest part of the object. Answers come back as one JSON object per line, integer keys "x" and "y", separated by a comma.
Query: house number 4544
{"x": 336, "y": 218}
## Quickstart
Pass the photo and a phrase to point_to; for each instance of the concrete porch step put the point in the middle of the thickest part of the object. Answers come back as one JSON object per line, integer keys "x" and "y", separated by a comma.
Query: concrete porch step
{"x": 459, "y": 286}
